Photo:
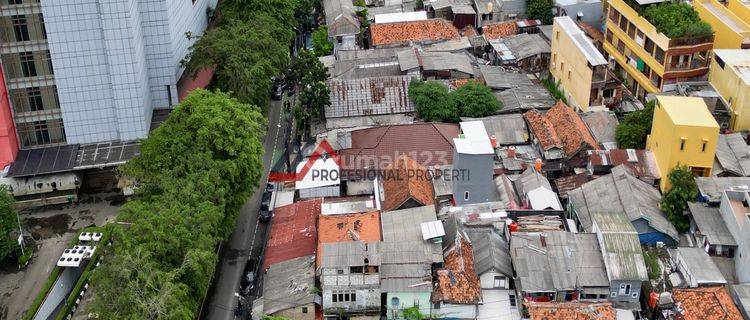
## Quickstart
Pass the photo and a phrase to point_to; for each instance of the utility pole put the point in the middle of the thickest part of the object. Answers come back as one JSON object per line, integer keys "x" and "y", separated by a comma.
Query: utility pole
{"x": 20, "y": 233}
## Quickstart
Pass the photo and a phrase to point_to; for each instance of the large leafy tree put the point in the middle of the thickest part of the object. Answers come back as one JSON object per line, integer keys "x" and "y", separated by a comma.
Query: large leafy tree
{"x": 8, "y": 223}
{"x": 674, "y": 202}
{"x": 321, "y": 45}
{"x": 194, "y": 173}
{"x": 474, "y": 99}
{"x": 433, "y": 101}
{"x": 632, "y": 132}
{"x": 245, "y": 55}
{"x": 540, "y": 9}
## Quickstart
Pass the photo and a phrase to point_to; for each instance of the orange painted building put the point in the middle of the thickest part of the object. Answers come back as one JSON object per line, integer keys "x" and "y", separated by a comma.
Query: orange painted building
{"x": 8, "y": 138}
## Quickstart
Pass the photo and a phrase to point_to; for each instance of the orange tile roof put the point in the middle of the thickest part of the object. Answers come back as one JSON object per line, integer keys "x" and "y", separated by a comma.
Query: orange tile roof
{"x": 500, "y": 30}
{"x": 711, "y": 303}
{"x": 458, "y": 281}
{"x": 571, "y": 311}
{"x": 416, "y": 31}
{"x": 347, "y": 227}
{"x": 403, "y": 180}
{"x": 562, "y": 127}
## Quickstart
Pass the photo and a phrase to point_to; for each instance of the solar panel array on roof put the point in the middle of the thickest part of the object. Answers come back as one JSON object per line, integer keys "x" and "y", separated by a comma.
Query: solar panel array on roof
{"x": 108, "y": 153}
{"x": 45, "y": 160}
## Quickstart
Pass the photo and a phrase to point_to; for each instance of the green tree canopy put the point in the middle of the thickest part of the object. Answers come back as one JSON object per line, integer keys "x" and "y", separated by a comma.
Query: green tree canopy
{"x": 194, "y": 173}
{"x": 474, "y": 100}
{"x": 433, "y": 101}
{"x": 631, "y": 133}
{"x": 245, "y": 56}
{"x": 674, "y": 203}
{"x": 540, "y": 9}
{"x": 677, "y": 19}
{"x": 321, "y": 45}
{"x": 8, "y": 223}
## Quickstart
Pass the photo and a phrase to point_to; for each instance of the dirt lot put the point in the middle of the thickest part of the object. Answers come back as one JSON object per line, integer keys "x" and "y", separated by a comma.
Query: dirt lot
{"x": 52, "y": 229}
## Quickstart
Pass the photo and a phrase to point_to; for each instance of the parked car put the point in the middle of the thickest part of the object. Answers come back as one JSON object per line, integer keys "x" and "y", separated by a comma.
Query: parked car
{"x": 265, "y": 215}
{"x": 278, "y": 90}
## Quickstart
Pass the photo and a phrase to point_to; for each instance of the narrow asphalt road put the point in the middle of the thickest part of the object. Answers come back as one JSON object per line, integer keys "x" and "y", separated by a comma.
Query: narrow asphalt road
{"x": 248, "y": 234}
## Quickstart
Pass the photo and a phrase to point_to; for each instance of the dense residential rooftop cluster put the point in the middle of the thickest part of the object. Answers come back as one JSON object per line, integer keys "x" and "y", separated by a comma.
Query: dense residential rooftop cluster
{"x": 553, "y": 220}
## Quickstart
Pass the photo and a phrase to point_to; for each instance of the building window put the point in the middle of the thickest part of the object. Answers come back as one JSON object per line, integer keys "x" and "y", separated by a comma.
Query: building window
{"x": 340, "y": 271}
{"x": 35, "y": 99}
{"x": 15, "y": 1}
{"x": 624, "y": 25}
{"x": 304, "y": 309}
{"x": 394, "y": 302}
{"x": 703, "y": 148}
{"x": 608, "y": 93}
{"x": 436, "y": 305}
{"x": 27, "y": 64}
{"x": 613, "y": 294}
{"x": 20, "y": 28}
{"x": 627, "y": 289}
{"x": 609, "y": 36}
{"x": 499, "y": 282}
{"x": 557, "y": 35}
{"x": 41, "y": 132}
{"x": 512, "y": 299}
{"x": 682, "y": 144}
{"x": 634, "y": 295}
{"x": 569, "y": 74}
{"x": 41, "y": 24}
{"x": 334, "y": 297}
{"x": 466, "y": 195}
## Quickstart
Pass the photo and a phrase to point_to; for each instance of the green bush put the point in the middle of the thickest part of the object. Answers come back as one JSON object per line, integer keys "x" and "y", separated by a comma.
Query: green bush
{"x": 674, "y": 203}
{"x": 676, "y": 20}
{"x": 554, "y": 89}
{"x": 23, "y": 259}
{"x": 632, "y": 132}
{"x": 435, "y": 102}
{"x": 652, "y": 264}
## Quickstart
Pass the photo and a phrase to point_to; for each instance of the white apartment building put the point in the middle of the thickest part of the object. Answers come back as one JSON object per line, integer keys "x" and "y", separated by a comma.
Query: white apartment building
{"x": 85, "y": 71}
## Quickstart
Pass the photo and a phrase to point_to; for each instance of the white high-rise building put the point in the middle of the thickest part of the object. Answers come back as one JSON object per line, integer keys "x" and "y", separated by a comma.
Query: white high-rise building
{"x": 84, "y": 71}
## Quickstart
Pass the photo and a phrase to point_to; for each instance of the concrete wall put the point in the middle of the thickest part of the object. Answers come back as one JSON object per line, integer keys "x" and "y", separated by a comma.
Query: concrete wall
{"x": 407, "y": 300}
{"x": 740, "y": 230}
{"x": 729, "y": 29}
{"x": 306, "y": 312}
{"x": 617, "y": 290}
{"x": 487, "y": 280}
{"x": 591, "y": 9}
{"x": 729, "y": 85}
{"x": 570, "y": 67}
{"x": 496, "y": 306}
{"x": 477, "y": 178}
{"x": 457, "y": 311}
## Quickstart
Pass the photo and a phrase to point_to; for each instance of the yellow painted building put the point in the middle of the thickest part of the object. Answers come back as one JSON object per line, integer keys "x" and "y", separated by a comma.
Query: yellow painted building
{"x": 741, "y": 8}
{"x": 578, "y": 66}
{"x": 683, "y": 132}
{"x": 730, "y": 31}
{"x": 650, "y": 61}
{"x": 730, "y": 76}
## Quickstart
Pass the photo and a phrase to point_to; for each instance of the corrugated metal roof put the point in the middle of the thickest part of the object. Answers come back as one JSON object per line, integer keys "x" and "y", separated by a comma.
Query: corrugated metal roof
{"x": 700, "y": 268}
{"x": 490, "y": 253}
{"x": 580, "y": 39}
{"x": 621, "y": 191}
{"x": 403, "y": 226}
{"x": 713, "y": 187}
{"x": 560, "y": 261}
{"x": 602, "y": 125}
{"x": 711, "y": 224}
{"x": 507, "y": 128}
{"x": 369, "y": 96}
{"x": 621, "y": 250}
{"x": 733, "y": 154}
{"x": 287, "y": 284}
{"x": 350, "y": 254}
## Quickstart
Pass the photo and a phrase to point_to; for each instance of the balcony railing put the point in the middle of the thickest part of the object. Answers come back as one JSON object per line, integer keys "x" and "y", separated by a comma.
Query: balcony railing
{"x": 695, "y": 64}
{"x": 690, "y": 41}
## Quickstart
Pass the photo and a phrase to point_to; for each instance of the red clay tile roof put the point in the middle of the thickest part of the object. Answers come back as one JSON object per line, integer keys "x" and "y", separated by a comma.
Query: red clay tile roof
{"x": 500, "y": 30}
{"x": 417, "y": 31}
{"x": 571, "y": 311}
{"x": 347, "y": 227}
{"x": 569, "y": 183}
{"x": 404, "y": 180}
{"x": 458, "y": 282}
{"x": 542, "y": 129}
{"x": 293, "y": 232}
{"x": 642, "y": 166}
{"x": 711, "y": 303}
{"x": 378, "y": 147}
{"x": 562, "y": 127}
